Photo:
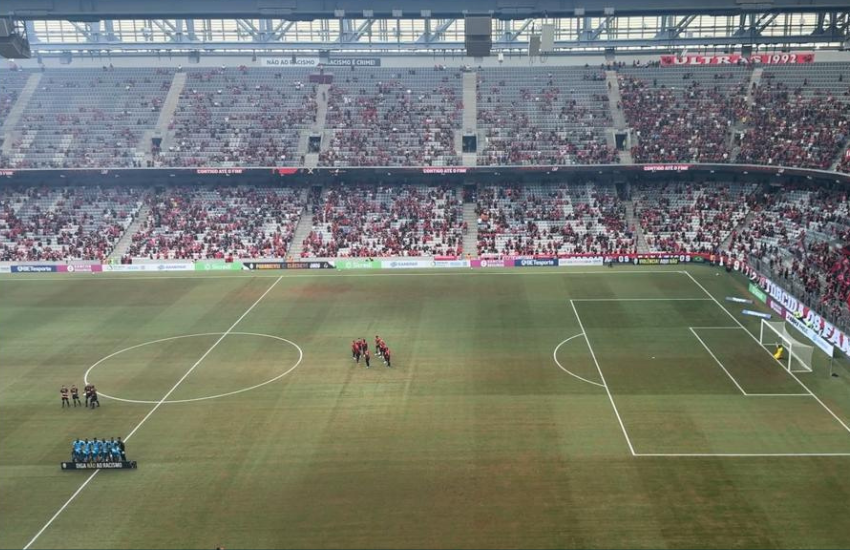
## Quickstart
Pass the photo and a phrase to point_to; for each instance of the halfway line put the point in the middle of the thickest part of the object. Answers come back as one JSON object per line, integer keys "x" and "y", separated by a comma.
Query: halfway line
{"x": 153, "y": 410}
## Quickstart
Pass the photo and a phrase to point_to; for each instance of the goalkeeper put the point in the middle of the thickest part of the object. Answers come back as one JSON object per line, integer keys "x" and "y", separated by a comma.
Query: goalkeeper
{"x": 779, "y": 353}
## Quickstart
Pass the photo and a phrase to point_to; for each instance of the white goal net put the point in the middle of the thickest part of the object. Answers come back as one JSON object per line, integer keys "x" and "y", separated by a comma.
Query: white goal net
{"x": 797, "y": 356}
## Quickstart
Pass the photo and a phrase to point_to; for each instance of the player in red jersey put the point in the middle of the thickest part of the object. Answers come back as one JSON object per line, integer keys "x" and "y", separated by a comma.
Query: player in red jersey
{"x": 378, "y": 344}
{"x": 354, "y": 347}
{"x": 366, "y": 356}
{"x": 387, "y": 357}
{"x": 65, "y": 402}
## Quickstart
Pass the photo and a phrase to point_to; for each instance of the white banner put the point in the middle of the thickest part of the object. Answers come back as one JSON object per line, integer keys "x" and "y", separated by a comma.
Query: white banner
{"x": 451, "y": 263}
{"x": 5, "y": 269}
{"x": 160, "y": 267}
{"x": 406, "y": 264}
{"x": 586, "y": 261}
{"x": 290, "y": 61}
{"x": 827, "y": 348}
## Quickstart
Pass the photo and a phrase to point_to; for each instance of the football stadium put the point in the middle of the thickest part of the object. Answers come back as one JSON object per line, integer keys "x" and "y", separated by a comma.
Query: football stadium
{"x": 338, "y": 274}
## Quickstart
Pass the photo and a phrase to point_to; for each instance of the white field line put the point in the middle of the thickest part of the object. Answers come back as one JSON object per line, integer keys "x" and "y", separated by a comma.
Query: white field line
{"x": 739, "y": 455}
{"x": 642, "y": 300}
{"x": 451, "y": 273}
{"x": 716, "y": 360}
{"x": 602, "y": 377}
{"x": 153, "y": 410}
{"x": 555, "y": 357}
{"x": 808, "y": 391}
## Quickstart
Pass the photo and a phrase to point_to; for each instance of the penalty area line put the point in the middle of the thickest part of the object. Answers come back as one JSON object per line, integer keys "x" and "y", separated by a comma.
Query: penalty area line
{"x": 153, "y": 410}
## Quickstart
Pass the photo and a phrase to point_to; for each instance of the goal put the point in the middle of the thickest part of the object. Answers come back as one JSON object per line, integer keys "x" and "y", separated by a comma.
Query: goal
{"x": 797, "y": 356}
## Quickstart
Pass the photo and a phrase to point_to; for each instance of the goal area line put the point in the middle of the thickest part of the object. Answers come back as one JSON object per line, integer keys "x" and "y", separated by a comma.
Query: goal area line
{"x": 738, "y": 326}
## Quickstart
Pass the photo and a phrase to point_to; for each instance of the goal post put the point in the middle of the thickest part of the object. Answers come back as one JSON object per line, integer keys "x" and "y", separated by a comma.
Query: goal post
{"x": 797, "y": 356}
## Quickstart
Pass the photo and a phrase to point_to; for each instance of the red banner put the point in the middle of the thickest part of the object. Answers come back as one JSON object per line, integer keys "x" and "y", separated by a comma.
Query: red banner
{"x": 735, "y": 59}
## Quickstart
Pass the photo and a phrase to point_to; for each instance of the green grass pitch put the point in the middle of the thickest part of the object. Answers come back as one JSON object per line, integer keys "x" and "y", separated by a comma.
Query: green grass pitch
{"x": 658, "y": 422}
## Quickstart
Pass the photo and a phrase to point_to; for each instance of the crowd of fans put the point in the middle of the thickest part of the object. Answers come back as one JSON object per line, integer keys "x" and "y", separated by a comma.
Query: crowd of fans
{"x": 694, "y": 217}
{"x": 60, "y": 224}
{"x": 551, "y": 220}
{"x": 240, "y": 117}
{"x": 383, "y": 117}
{"x": 218, "y": 223}
{"x": 793, "y": 125}
{"x": 801, "y": 237}
{"x": 532, "y": 117}
{"x": 89, "y": 118}
{"x": 683, "y": 115}
{"x": 374, "y": 220}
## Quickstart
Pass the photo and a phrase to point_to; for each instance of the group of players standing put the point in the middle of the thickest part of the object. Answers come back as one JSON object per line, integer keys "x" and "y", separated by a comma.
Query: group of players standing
{"x": 360, "y": 349}
{"x": 91, "y": 396}
{"x": 98, "y": 450}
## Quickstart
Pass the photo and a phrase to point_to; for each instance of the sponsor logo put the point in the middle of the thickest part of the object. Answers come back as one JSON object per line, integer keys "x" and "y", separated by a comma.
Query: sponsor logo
{"x": 757, "y": 292}
{"x": 536, "y": 262}
{"x": 7, "y": 172}
{"x": 451, "y": 263}
{"x": 809, "y": 333}
{"x": 407, "y": 264}
{"x": 34, "y": 268}
{"x": 5, "y": 269}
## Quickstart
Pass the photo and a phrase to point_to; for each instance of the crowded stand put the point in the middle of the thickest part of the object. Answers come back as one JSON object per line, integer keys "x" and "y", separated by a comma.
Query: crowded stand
{"x": 554, "y": 116}
{"x": 219, "y": 223}
{"x": 551, "y": 220}
{"x": 60, "y": 224}
{"x": 800, "y": 116}
{"x": 693, "y": 217}
{"x": 11, "y": 85}
{"x": 393, "y": 117}
{"x": 801, "y": 236}
{"x": 236, "y": 116}
{"x": 89, "y": 118}
{"x": 683, "y": 114}
{"x": 375, "y": 220}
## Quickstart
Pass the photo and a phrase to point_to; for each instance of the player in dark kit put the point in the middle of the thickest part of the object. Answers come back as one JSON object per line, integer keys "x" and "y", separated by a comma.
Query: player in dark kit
{"x": 364, "y": 346}
{"x": 354, "y": 348}
{"x": 75, "y": 395}
{"x": 88, "y": 393}
{"x": 93, "y": 400}
{"x": 64, "y": 393}
{"x": 387, "y": 357}
{"x": 366, "y": 356}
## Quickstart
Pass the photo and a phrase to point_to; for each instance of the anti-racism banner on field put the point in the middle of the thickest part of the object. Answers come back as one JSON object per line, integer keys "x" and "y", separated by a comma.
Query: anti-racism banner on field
{"x": 735, "y": 59}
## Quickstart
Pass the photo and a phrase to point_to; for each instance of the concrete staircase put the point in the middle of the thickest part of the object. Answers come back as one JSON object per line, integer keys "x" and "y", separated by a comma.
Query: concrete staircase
{"x": 8, "y": 129}
{"x": 618, "y": 117}
{"x": 755, "y": 80}
{"x": 633, "y": 221}
{"x": 311, "y": 160}
{"x": 169, "y": 107}
{"x": 470, "y": 117}
{"x": 744, "y": 223}
{"x": 305, "y": 225}
{"x": 123, "y": 244}
{"x": 470, "y": 239}
{"x": 614, "y": 98}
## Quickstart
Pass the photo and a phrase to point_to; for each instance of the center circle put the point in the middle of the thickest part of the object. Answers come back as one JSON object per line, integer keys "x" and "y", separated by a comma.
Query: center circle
{"x": 203, "y": 334}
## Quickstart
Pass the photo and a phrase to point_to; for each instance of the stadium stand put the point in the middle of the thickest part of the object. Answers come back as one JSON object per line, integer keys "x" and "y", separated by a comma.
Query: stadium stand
{"x": 801, "y": 237}
{"x": 537, "y": 116}
{"x": 89, "y": 118}
{"x": 801, "y": 116}
{"x": 240, "y": 117}
{"x": 374, "y": 220}
{"x": 679, "y": 217}
{"x": 60, "y": 224}
{"x": 683, "y": 114}
{"x": 10, "y": 86}
{"x": 551, "y": 220}
{"x": 222, "y": 222}
{"x": 393, "y": 117}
